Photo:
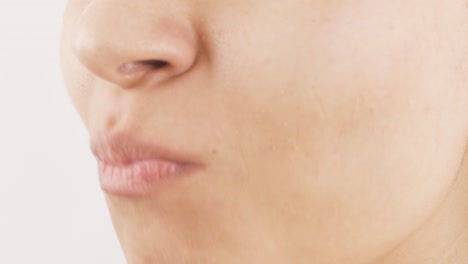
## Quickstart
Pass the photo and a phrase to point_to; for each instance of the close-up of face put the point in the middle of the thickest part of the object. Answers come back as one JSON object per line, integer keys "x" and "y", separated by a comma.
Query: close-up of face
{"x": 285, "y": 131}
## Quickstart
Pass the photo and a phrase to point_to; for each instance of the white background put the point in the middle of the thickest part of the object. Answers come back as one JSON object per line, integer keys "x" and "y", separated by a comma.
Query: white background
{"x": 51, "y": 207}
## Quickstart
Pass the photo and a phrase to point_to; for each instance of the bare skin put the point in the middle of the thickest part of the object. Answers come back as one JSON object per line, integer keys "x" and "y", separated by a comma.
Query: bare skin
{"x": 330, "y": 132}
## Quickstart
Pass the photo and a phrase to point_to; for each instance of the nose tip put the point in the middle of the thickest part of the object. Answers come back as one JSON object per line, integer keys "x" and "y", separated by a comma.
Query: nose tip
{"x": 130, "y": 48}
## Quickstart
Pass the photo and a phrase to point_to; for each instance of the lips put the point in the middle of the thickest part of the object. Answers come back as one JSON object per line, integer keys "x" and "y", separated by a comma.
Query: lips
{"x": 129, "y": 166}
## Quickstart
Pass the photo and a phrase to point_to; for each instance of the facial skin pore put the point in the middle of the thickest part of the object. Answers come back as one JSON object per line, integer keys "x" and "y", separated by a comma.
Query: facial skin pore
{"x": 330, "y": 132}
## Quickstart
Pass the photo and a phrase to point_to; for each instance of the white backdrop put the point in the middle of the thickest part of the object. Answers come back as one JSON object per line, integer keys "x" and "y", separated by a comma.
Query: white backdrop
{"x": 51, "y": 206}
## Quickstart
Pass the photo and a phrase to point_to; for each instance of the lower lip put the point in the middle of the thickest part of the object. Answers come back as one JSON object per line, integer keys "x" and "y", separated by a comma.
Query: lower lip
{"x": 137, "y": 178}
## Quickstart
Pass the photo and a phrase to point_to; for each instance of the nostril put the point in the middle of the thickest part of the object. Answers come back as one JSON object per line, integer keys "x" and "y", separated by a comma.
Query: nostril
{"x": 156, "y": 64}
{"x": 142, "y": 65}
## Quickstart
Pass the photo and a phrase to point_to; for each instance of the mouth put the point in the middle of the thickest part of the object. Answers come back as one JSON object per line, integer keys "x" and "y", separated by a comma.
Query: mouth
{"x": 130, "y": 166}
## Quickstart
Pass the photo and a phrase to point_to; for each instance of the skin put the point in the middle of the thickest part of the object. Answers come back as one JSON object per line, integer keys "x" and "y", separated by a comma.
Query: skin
{"x": 330, "y": 132}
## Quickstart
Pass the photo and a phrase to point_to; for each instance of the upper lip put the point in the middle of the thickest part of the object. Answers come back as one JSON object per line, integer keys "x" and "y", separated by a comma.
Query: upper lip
{"x": 121, "y": 148}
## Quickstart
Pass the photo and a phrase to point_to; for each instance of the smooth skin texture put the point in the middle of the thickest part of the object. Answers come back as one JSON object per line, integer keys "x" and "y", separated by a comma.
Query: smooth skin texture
{"x": 331, "y": 132}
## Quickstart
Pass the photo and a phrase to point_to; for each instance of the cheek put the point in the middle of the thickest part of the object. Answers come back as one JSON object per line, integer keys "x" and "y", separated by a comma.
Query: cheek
{"x": 346, "y": 121}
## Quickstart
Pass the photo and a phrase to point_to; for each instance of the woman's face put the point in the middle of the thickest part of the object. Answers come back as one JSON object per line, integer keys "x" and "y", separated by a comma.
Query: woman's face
{"x": 328, "y": 130}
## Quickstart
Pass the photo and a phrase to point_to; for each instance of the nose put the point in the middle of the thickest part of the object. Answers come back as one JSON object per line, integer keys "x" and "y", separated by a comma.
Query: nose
{"x": 133, "y": 43}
